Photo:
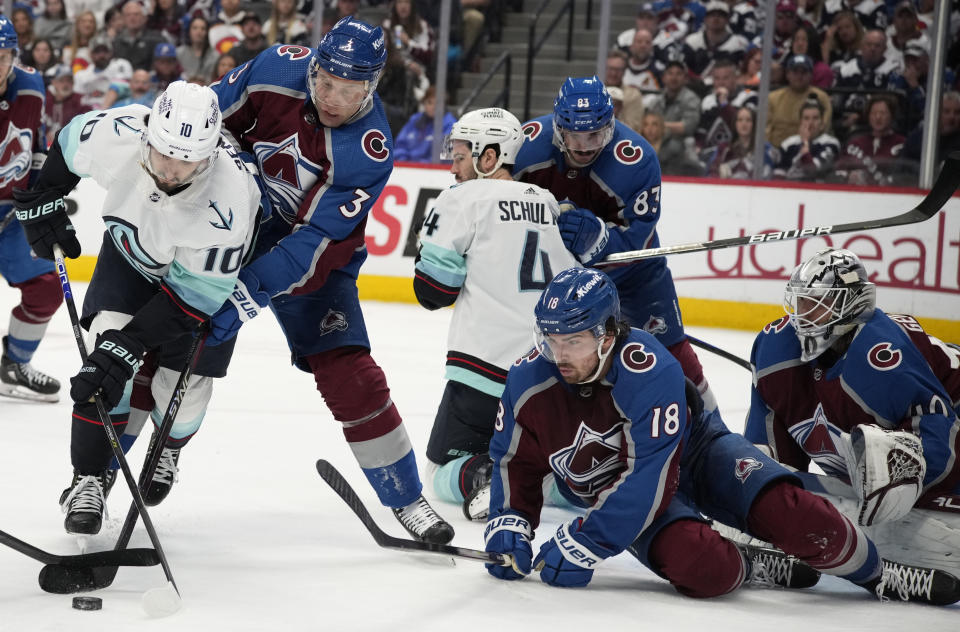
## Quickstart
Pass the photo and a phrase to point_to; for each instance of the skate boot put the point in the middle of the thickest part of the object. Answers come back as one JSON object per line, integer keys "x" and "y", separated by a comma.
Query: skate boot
{"x": 85, "y": 501}
{"x": 164, "y": 476}
{"x": 21, "y": 380}
{"x": 772, "y": 567}
{"x": 423, "y": 523}
{"x": 476, "y": 505}
{"x": 915, "y": 583}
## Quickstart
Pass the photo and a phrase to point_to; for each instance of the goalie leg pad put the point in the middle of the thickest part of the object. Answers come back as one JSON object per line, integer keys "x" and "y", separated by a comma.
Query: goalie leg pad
{"x": 887, "y": 470}
{"x": 697, "y": 560}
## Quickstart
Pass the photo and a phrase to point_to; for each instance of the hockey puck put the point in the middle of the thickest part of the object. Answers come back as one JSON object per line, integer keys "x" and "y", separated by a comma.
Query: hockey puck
{"x": 87, "y": 603}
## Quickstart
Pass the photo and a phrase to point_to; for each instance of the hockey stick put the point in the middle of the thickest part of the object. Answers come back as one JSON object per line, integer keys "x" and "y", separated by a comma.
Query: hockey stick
{"x": 706, "y": 346}
{"x": 129, "y": 557}
{"x": 944, "y": 187}
{"x": 335, "y": 480}
{"x": 55, "y": 579}
{"x": 158, "y": 601}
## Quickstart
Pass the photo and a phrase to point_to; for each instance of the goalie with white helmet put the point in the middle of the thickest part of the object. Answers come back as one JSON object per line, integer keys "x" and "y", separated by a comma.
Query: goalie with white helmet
{"x": 870, "y": 397}
{"x": 489, "y": 245}
{"x": 178, "y": 223}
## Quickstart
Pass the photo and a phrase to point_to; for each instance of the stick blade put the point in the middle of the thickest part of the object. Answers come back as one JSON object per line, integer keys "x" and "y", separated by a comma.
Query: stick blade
{"x": 162, "y": 601}
{"x": 66, "y": 580}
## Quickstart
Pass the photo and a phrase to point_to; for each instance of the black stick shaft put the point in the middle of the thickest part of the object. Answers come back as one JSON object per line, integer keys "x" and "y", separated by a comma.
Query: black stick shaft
{"x": 706, "y": 346}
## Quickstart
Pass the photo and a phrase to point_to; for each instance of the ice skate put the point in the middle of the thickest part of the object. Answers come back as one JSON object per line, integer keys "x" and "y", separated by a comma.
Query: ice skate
{"x": 900, "y": 582}
{"x": 21, "y": 380}
{"x": 85, "y": 500}
{"x": 164, "y": 476}
{"x": 423, "y": 523}
{"x": 773, "y": 567}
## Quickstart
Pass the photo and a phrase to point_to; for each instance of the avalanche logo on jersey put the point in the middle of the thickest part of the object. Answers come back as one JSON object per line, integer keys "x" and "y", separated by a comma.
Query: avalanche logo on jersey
{"x": 591, "y": 462}
{"x": 126, "y": 238}
{"x": 287, "y": 173}
{"x": 819, "y": 439}
{"x": 15, "y": 153}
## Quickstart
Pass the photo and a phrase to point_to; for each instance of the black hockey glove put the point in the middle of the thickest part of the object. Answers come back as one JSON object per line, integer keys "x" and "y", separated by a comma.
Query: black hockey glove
{"x": 45, "y": 221}
{"x": 108, "y": 368}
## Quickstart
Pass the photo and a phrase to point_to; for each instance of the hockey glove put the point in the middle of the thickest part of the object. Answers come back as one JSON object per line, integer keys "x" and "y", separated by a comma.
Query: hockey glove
{"x": 887, "y": 472}
{"x": 108, "y": 368}
{"x": 509, "y": 534}
{"x": 569, "y": 558}
{"x": 584, "y": 234}
{"x": 245, "y": 302}
{"x": 45, "y": 222}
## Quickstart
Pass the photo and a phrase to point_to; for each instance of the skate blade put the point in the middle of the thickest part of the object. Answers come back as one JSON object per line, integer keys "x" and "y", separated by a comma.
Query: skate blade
{"x": 15, "y": 391}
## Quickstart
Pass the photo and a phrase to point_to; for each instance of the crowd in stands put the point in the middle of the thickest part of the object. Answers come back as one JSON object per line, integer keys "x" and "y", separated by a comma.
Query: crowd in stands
{"x": 848, "y": 87}
{"x": 846, "y": 104}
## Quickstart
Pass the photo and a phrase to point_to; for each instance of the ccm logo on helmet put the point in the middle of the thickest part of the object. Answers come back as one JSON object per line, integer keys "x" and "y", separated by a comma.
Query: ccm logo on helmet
{"x": 374, "y": 144}
{"x": 532, "y": 129}
{"x": 636, "y": 358}
{"x": 627, "y": 153}
{"x": 884, "y": 357}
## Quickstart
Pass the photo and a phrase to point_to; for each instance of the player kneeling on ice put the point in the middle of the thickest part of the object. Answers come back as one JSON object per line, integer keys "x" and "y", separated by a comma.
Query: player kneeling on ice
{"x": 491, "y": 244}
{"x": 179, "y": 213}
{"x": 873, "y": 400}
{"x": 606, "y": 409}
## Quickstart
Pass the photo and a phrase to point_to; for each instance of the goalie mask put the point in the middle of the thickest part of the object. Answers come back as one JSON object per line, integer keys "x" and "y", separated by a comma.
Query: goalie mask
{"x": 828, "y": 296}
{"x": 489, "y": 127}
{"x": 182, "y": 135}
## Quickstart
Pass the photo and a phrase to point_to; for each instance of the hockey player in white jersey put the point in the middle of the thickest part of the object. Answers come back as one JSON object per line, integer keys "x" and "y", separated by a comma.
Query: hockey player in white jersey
{"x": 179, "y": 212}
{"x": 491, "y": 245}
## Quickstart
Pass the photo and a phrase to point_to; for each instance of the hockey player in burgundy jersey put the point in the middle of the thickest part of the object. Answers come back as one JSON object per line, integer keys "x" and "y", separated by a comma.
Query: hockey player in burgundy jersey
{"x": 607, "y": 411}
{"x": 582, "y": 154}
{"x": 319, "y": 134}
{"x": 869, "y": 397}
{"x": 21, "y": 154}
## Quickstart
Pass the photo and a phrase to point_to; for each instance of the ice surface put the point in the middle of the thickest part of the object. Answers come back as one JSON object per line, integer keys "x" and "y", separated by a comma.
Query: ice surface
{"x": 256, "y": 541}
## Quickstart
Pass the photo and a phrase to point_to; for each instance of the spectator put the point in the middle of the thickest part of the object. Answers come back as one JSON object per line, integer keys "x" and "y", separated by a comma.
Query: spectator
{"x": 167, "y": 19}
{"x": 42, "y": 57}
{"x": 414, "y": 142}
{"x": 22, "y": 19}
{"x": 785, "y": 103}
{"x": 53, "y": 24}
{"x": 948, "y": 131}
{"x": 93, "y": 81}
{"x": 644, "y": 71}
{"x": 679, "y": 14}
{"x": 842, "y": 39}
{"x": 473, "y": 22}
{"x": 743, "y": 19}
{"x": 135, "y": 42}
{"x": 666, "y": 42}
{"x": 141, "y": 89}
{"x": 166, "y": 68}
{"x": 872, "y": 70}
{"x": 872, "y": 14}
{"x": 654, "y": 130}
{"x": 680, "y": 108}
{"x": 253, "y": 43}
{"x": 810, "y": 154}
{"x": 630, "y": 109}
{"x": 197, "y": 57}
{"x": 77, "y": 52}
{"x": 818, "y": 13}
{"x": 912, "y": 82}
{"x": 225, "y": 29}
{"x": 734, "y": 159}
{"x": 286, "y": 25}
{"x": 785, "y": 25}
{"x": 718, "y": 110}
{"x": 411, "y": 31}
{"x": 750, "y": 68}
{"x": 98, "y": 8}
{"x": 112, "y": 22}
{"x": 874, "y": 157}
{"x": 402, "y": 85}
{"x": 906, "y": 28}
{"x": 225, "y": 63}
{"x": 715, "y": 39}
{"x": 806, "y": 41}
{"x": 62, "y": 103}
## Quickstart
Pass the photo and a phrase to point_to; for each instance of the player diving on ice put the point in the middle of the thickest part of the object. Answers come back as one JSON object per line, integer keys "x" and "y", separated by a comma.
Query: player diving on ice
{"x": 180, "y": 210}
{"x": 871, "y": 399}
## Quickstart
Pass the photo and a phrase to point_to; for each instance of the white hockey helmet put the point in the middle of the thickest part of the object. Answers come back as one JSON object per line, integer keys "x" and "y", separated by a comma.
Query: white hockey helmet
{"x": 489, "y": 127}
{"x": 826, "y": 297}
{"x": 185, "y": 124}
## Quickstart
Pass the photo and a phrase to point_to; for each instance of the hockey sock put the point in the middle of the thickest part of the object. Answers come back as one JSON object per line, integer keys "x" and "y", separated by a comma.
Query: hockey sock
{"x": 39, "y": 299}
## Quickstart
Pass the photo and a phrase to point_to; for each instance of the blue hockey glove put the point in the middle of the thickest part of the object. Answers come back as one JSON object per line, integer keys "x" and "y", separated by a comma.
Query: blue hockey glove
{"x": 569, "y": 558}
{"x": 245, "y": 302}
{"x": 509, "y": 534}
{"x": 583, "y": 233}
{"x": 108, "y": 368}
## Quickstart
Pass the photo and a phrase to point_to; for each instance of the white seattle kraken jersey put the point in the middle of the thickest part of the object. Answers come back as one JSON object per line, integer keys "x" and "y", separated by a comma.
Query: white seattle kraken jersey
{"x": 497, "y": 240}
{"x": 193, "y": 240}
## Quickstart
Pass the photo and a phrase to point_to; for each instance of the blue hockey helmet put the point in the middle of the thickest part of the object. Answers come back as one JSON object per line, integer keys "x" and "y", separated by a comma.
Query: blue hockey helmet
{"x": 352, "y": 50}
{"x": 8, "y": 35}
{"x": 826, "y": 297}
{"x": 583, "y": 120}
